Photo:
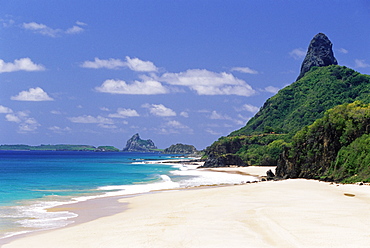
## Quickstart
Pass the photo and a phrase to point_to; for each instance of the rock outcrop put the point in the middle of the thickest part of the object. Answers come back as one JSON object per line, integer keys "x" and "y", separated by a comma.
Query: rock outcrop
{"x": 181, "y": 149}
{"x": 223, "y": 161}
{"x": 135, "y": 144}
{"x": 319, "y": 53}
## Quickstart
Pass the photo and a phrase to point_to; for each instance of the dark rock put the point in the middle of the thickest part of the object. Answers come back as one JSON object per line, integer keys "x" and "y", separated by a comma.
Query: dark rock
{"x": 319, "y": 54}
{"x": 270, "y": 175}
{"x": 135, "y": 144}
{"x": 223, "y": 161}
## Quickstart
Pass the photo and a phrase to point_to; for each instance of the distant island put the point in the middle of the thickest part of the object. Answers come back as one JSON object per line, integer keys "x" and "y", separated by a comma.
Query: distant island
{"x": 60, "y": 147}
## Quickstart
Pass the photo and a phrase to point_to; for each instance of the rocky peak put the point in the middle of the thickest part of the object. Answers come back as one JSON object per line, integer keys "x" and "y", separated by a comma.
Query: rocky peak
{"x": 319, "y": 53}
{"x": 135, "y": 144}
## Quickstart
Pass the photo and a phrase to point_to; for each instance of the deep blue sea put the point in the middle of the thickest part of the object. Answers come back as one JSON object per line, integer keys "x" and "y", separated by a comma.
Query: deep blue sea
{"x": 33, "y": 181}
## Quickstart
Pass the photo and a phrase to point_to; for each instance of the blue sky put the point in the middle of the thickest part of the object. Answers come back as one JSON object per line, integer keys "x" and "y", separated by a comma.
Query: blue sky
{"x": 97, "y": 72}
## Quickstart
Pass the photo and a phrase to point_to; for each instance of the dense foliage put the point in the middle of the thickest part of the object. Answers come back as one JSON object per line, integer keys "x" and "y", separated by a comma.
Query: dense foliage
{"x": 291, "y": 109}
{"x": 334, "y": 147}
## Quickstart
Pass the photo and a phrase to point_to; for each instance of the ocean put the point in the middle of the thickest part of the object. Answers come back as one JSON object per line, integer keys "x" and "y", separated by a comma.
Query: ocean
{"x": 33, "y": 181}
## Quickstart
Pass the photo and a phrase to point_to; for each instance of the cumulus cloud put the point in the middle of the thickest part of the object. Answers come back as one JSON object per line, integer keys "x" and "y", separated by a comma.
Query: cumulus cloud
{"x": 53, "y": 32}
{"x": 134, "y": 64}
{"x": 33, "y": 95}
{"x": 159, "y": 110}
{"x": 74, "y": 30}
{"x": 23, "y": 64}
{"x": 206, "y": 82}
{"x": 124, "y": 113}
{"x": 88, "y": 119}
{"x": 297, "y": 53}
{"x": 104, "y": 63}
{"x": 216, "y": 116}
{"x": 26, "y": 123}
{"x": 184, "y": 114}
{"x": 172, "y": 127}
{"x": 5, "y": 110}
{"x": 250, "y": 108}
{"x": 244, "y": 70}
{"x": 360, "y": 63}
{"x": 149, "y": 87}
{"x": 272, "y": 89}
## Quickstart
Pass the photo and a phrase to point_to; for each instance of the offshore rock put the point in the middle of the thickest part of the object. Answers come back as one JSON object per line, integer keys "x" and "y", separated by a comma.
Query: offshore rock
{"x": 319, "y": 53}
{"x": 135, "y": 144}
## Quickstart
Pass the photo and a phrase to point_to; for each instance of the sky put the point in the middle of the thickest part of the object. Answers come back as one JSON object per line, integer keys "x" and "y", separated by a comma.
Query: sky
{"x": 97, "y": 72}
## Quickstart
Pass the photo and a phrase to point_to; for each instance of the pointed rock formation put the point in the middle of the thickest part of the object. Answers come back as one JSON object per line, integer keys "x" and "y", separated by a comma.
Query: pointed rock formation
{"x": 319, "y": 53}
{"x": 135, "y": 144}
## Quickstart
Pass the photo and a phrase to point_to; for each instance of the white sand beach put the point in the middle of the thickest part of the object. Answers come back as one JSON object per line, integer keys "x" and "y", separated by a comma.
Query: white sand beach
{"x": 289, "y": 213}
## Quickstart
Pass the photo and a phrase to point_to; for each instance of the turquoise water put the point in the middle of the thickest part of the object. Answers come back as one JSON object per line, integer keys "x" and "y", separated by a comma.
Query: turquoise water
{"x": 32, "y": 181}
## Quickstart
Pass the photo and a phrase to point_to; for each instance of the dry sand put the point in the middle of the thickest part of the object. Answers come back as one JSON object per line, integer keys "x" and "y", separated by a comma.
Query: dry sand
{"x": 290, "y": 213}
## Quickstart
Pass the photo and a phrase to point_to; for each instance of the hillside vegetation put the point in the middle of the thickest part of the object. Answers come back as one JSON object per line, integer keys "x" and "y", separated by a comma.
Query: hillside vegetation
{"x": 335, "y": 147}
{"x": 264, "y": 137}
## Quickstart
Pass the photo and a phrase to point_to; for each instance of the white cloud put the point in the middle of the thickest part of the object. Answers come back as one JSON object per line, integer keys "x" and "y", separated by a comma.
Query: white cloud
{"x": 134, "y": 64}
{"x": 12, "y": 118}
{"x": 5, "y": 110}
{"x": 216, "y": 116}
{"x": 250, "y": 108}
{"x": 51, "y": 32}
{"x": 360, "y": 63}
{"x": 342, "y": 50}
{"x": 23, "y": 64}
{"x": 74, "y": 30}
{"x": 91, "y": 119}
{"x": 107, "y": 126}
{"x": 159, "y": 110}
{"x": 57, "y": 129}
{"x": 124, "y": 113}
{"x": 297, "y": 53}
{"x": 272, "y": 89}
{"x": 136, "y": 88}
{"x": 209, "y": 83}
{"x": 41, "y": 29}
{"x": 26, "y": 123}
{"x": 33, "y": 94}
{"x": 29, "y": 125}
{"x": 244, "y": 70}
{"x": 173, "y": 126}
{"x": 184, "y": 114}
{"x": 104, "y": 63}
{"x": 55, "y": 112}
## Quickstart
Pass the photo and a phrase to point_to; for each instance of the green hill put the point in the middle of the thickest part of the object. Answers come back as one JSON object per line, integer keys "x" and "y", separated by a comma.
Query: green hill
{"x": 264, "y": 137}
{"x": 335, "y": 147}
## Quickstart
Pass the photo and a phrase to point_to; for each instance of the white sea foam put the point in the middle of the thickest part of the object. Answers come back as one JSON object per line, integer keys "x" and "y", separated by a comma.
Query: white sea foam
{"x": 35, "y": 216}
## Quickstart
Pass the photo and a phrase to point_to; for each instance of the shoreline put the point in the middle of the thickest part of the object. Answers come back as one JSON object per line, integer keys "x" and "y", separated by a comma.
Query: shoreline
{"x": 287, "y": 213}
{"x": 250, "y": 207}
{"x": 86, "y": 210}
